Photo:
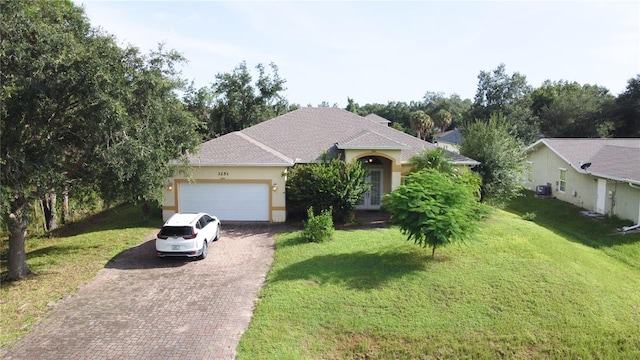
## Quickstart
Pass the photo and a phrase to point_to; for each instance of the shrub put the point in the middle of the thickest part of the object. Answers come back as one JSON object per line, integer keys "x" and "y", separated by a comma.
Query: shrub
{"x": 435, "y": 209}
{"x": 318, "y": 228}
{"x": 530, "y": 216}
{"x": 334, "y": 184}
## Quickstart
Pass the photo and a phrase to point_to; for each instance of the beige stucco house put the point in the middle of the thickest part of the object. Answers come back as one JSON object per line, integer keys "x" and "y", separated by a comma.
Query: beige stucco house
{"x": 241, "y": 176}
{"x": 600, "y": 175}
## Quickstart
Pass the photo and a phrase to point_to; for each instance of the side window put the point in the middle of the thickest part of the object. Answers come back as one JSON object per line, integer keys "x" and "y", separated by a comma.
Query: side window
{"x": 200, "y": 223}
{"x": 205, "y": 220}
{"x": 563, "y": 180}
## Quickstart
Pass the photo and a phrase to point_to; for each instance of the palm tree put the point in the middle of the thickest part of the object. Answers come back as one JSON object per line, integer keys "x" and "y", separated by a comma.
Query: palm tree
{"x": 421, "y": 123}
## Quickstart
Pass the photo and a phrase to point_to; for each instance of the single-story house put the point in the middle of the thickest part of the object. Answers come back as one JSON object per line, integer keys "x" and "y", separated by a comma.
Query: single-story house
{"x": 241, "y": 176}
{"x": 449, "y": 140}
{"x": 599, "y": 175}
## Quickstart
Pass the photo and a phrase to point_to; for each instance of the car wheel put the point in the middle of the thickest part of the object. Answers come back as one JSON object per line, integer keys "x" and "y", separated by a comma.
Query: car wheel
{"x": 217, "y": 234}
{"x": 205, "y": 247}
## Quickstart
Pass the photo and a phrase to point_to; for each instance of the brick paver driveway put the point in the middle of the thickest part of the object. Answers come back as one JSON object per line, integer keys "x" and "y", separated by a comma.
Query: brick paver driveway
{"x": 142, "y": 307}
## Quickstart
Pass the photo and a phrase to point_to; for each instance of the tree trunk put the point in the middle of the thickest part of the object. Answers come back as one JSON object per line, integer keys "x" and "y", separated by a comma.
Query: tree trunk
{"x": 17, "y": 223}
{"x": 65, "y": 204}
{"x": 49, "y": 210}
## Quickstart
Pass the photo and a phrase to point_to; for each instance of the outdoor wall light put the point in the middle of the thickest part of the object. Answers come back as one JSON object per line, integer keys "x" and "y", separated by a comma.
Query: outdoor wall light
{"x": 275, "y": 186}
{"x": 170, "y": 185}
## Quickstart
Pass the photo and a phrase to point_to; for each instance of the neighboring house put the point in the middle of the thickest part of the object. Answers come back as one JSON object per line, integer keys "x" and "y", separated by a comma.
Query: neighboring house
{"x": 600, "y": 175}
{"x": 241, "y": 176}
{"x": 449, "y": 140}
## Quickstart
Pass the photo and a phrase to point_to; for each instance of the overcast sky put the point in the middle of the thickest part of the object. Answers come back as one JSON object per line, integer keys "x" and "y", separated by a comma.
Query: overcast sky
{"x": 375, "y": 52}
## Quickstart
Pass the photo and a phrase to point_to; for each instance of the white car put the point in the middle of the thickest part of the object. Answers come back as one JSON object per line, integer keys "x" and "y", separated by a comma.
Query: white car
{"x": 187, "y": 234}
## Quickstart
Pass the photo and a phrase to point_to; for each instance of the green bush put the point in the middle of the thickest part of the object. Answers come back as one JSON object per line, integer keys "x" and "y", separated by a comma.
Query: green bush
{"x": 334, "y": 184}
{"x": 435, "y": 209}
{"x": 530, "y": 216}
{"x": 318, "y": 228}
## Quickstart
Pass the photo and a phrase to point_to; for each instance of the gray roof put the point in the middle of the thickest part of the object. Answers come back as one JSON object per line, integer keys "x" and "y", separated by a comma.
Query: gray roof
{"x": 450, "y": 136}
{"x": 377, "y": 118}
{"x": 304, "y": 135}
{"x": 616, "y": 159}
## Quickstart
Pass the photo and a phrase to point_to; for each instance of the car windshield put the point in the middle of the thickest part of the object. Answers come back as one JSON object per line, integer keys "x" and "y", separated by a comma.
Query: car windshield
{"x": 176, "y": 231}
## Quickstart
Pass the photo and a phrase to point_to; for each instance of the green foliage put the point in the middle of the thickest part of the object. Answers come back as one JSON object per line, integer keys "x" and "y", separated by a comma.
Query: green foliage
{"x": 501, "y": 156}
{"x": 336, "y": 185}
{"x": 318, "y": 228}
{"x": 627, "y": 110}
{"x": 433, "y": 159}
{"x": 529, "y": 216}
{"x": 446, "y": 111}
{"x": 421, "y": 123}
{"x": 76, "y": 108}
{"x": 501, "y": 94}
{"x": 568, "y": 109}
{"x": 434, "y": 209}
{"x": 235, "y": 101}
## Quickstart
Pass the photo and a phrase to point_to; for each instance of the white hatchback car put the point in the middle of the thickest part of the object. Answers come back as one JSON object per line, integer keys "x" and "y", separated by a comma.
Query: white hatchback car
{"x": 187, "y": 234}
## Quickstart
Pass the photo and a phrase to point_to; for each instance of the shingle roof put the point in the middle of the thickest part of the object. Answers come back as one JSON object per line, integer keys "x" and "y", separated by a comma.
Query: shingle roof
{"x": 450, "y": 136}
{"x": 377, "y": 118}
{"x": 617, "y": 159}
{"x": 304, "y": 135}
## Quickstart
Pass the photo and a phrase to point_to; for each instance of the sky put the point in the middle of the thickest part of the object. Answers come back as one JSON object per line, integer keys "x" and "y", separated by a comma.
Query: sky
{"x": 377, "y": 51}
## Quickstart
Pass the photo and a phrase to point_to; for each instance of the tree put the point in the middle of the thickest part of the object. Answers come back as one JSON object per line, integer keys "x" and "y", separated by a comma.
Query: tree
{"x": 442, "y": 119}
{"x": 77, "y": 109}
{"x": 627, "y": 110}
{"x": 436, "y": 104}
{"x": 239, "y": 103}
{"x": 353, "y": 107}
{"x": 501, "y": 158}
{"x": 501, "y": 94}
{"x": 433, "y": 159}
{"x": 421, "y": 123}
{"x": 434, "y": 209}
{"x": 568, "y": 109}
{"x": 396, "y": 112}
{"x": 335, "y": 185}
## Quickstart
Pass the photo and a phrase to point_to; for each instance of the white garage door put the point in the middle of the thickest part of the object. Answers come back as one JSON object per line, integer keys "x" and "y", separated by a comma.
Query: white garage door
{"x": 227, "y": 201}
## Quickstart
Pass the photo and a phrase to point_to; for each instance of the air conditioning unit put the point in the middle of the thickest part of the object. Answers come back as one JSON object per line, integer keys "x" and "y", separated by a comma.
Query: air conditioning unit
{"x": 543, "y": 190}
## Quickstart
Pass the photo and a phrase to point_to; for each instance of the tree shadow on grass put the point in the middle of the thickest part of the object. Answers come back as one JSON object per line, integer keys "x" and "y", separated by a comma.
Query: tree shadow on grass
{"x": 360, "y": 270}
{"x": 565, "y": 220}
{"x": 123, "y": 216}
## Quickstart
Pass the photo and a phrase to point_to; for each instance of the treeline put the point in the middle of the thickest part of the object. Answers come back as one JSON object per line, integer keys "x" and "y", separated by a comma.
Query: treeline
{"x": 555, "y": 109}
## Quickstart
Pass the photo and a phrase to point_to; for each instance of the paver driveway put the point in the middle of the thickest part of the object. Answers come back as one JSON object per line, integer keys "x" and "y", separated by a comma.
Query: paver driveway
{"x": 142, "y": 307}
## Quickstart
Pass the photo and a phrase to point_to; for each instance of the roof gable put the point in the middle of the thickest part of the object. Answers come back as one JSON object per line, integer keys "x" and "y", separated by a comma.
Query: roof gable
{"x": 371, "y": 140}
{"x": 616, "y": 159}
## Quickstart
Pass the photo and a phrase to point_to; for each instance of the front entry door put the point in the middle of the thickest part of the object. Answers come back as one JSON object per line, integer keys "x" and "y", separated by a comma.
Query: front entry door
{"x": 372, "y": 198}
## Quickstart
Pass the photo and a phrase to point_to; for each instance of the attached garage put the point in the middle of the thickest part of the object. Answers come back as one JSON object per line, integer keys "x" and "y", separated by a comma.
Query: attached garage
{"x": 230, "y": 201}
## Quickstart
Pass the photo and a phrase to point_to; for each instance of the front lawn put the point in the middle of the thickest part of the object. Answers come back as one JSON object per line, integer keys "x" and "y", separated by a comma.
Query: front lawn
{"x": 522, "y": 289}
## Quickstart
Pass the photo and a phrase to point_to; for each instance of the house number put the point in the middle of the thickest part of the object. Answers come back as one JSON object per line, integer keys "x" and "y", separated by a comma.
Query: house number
{"x": 223, "y": 173}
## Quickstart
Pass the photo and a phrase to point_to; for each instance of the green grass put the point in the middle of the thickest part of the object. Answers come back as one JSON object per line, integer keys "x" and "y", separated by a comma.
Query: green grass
{"x": 565, "y": 221}
{"x": 64, "y": 260}
{"x": 552, "y": 288}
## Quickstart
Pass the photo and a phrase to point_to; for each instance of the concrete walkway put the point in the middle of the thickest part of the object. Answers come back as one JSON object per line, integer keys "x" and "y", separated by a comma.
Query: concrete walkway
{"x": 142, "y": 307}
